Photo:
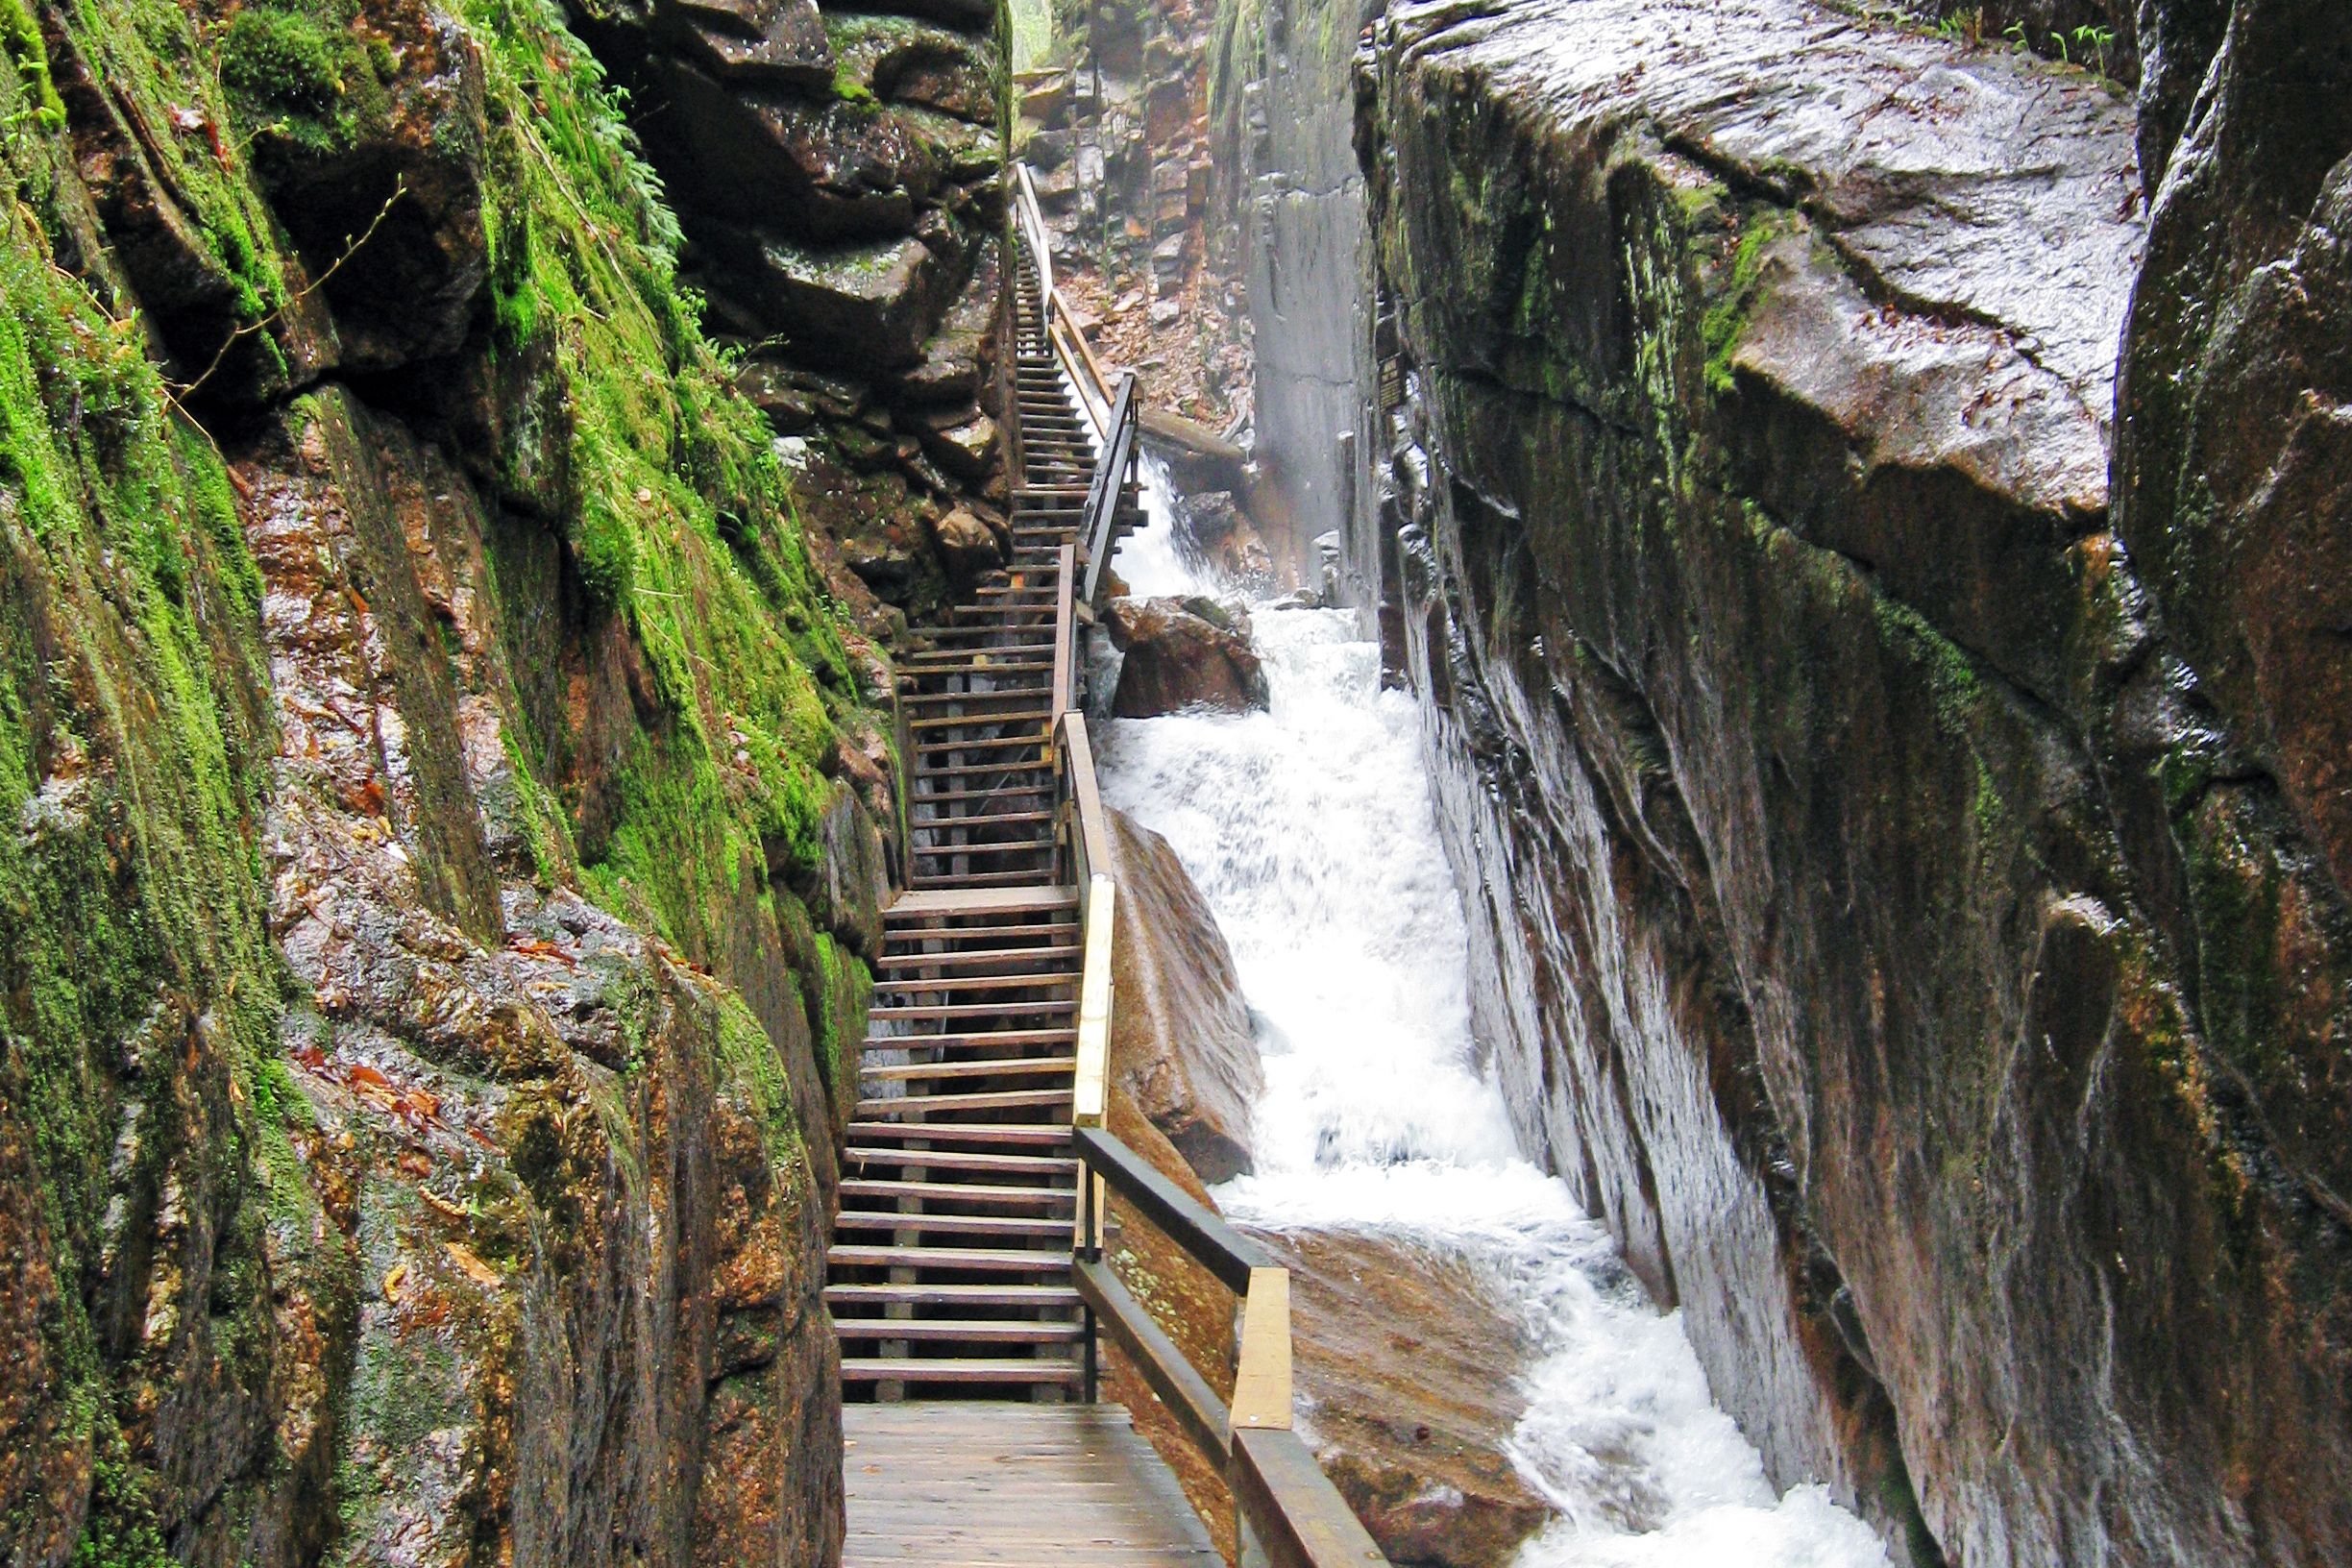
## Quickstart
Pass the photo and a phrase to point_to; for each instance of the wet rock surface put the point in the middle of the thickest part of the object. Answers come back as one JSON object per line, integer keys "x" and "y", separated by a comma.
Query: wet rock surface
{"x": 1408, "y": 1389}
{"x": 1182, "y": 653}
{"x": 836, "y": 171}
{"x": 1181, "y": 1045}
{"x": 1907, "y": 859}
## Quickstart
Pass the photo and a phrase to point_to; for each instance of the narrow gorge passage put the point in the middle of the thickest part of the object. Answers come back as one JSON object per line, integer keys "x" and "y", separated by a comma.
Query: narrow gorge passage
{"x": 1310, "y": 831}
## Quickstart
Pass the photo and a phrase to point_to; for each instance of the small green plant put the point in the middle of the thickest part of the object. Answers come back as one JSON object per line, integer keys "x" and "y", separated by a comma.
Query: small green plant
{"x": 1963, "y": 27}
{"x": 2015, "y": 33}
{"x": 22, "y": 38}
{"x": 2094, "y": 41}
{"x": 2064, "y": 59}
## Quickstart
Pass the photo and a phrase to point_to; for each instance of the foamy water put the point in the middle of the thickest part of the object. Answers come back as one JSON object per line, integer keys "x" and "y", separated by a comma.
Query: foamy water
{"x": 1311, "y": 832}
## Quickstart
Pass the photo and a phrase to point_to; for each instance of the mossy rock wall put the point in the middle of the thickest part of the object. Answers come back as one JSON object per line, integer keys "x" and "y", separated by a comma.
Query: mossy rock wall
{"x": 438, "y": 856}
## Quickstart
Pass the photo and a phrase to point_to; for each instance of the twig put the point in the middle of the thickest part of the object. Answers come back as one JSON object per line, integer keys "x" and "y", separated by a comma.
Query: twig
{"x": 181, "y": 394}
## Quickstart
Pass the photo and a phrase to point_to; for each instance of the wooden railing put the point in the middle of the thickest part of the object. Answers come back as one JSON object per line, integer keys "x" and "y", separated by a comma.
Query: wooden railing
{"x": 1109, "y": 491}
{"x": 1286, "y": 1512}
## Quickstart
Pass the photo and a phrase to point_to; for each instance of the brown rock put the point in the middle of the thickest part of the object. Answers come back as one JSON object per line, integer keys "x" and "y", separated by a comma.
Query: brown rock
{"x": 966, "y": 546}
{"x": 1409, "y": 1383}
{"x": 964, "y": 442}
{"x": 1180, "y": 1041}
{"x": 779, "y": 41}
{"x": 1182, "y": 653}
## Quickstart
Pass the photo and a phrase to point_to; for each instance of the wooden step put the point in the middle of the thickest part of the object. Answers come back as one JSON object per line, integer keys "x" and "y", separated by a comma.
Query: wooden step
{"x": 1050, "y": 1165}
{"x": 1004, "y": 1225}
{"x": 1025, "y": 693}
{"x": 962, "y": 664}
{"x": 961, "y": 1260}
{"x": 995, "y": 743}
{"x": 967, "y": 1331}
{"x": 912, "y": 984}
{"x": 945, "y": 1369}
{"x": 969, "y": 1009}
{"x": 991, "y": 846}
{"x": 978, "y": 957}
{"x": 974, "y": 1192}
{"x": 965, "y": 721}
{"x": 909, "y": 906}
{"x": 968, "y": 1134}
{"x": 930, "y": 881}
{"x": 977, "y": 819}
{"x": 1008, "y": 791}
{"x": 1002, "y": 768}
{"x": 982, "y": 1040}
{"x": 987, "y": 1066}
{"x": 1042, "y": 1296}
{"x": 995, "y": 1100}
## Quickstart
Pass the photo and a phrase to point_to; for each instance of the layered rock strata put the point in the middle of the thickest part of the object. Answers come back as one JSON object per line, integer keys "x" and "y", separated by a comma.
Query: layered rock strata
{"x": 836, "y": 173}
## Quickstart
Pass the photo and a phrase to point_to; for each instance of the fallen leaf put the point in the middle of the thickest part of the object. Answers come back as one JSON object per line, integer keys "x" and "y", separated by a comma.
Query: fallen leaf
{"x": 397, "y": 1276}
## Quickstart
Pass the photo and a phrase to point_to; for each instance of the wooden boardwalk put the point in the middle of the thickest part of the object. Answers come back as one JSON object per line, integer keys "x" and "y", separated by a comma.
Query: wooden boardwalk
{"x": 967, "y": 1258}
{"x": 990, "y": 1482}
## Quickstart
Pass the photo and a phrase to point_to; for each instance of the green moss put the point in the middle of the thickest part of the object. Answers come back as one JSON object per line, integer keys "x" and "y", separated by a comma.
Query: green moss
{"x": 285, "y": 69}
{"x": 130, "y": 885}
{"x": 20, "y": 34}
{"x": 1726, "y": 320}
{"x": 850, "y": 90}
{"x": 122, "y": 1530}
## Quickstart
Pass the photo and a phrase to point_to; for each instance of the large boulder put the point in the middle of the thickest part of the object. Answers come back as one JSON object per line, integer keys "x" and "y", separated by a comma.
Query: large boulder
{"x": 1181, "y": 1041}
{"x": 1410, "y": 1380}
{"x": 1184, "y": 654}
{"x": 854, "y": 306}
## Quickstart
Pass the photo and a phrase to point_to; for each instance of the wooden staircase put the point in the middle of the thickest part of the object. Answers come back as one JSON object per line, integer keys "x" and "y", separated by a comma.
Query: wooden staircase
{"x": 950, "y": 1269}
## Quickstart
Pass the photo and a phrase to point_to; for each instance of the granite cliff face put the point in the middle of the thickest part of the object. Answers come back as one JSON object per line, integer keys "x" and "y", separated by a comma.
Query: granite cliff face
{"x": 437, "y": 822}
{"x": 1906, "y": 896}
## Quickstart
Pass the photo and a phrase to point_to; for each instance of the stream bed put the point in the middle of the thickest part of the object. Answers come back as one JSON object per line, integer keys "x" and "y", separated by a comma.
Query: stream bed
{"x": 1310, "y": 831}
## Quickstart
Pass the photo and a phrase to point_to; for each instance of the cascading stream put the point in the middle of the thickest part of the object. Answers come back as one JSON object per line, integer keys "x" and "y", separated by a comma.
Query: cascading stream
{"x": 1311, "y": 832}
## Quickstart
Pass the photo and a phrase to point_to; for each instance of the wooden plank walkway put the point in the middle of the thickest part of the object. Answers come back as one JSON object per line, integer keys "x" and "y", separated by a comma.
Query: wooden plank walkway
{"x": 1012, "y": 1485}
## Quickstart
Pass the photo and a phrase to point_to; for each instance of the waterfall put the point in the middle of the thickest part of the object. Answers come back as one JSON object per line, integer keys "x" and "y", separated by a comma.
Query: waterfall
{"x": 1310, "y": 831}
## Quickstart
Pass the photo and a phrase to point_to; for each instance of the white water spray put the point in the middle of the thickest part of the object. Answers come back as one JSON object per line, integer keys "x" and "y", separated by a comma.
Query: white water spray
{"x": 1311, "y": 832}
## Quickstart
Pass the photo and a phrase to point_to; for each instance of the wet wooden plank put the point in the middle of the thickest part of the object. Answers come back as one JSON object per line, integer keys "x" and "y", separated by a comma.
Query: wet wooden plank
{"x": 1011, "y": 1485}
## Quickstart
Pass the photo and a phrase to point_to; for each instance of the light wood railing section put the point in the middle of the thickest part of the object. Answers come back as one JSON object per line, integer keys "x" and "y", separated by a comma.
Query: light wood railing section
{"x": 1287, "y": 1514}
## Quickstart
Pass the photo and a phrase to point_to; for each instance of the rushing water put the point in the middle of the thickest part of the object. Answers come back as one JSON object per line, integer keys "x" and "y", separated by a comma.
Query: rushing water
{"x": 1310, "y": 833}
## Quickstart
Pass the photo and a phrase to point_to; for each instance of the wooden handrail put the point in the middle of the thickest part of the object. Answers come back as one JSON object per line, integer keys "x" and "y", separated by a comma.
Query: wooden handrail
{"x": 1066, "y": 635}
{"x": 1100, "y": 519}
{"x": 1225, "y": 1252}
{"x": 1061, "y": 306}
{"x": 1032, "y": 219}
{"x": 1180, "y": 1386}
{"x": 1288, "y": 1512}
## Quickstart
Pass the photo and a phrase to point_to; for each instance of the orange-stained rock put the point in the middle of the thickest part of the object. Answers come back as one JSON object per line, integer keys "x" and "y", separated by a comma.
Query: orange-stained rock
{"x": 1409, "y": 1383}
